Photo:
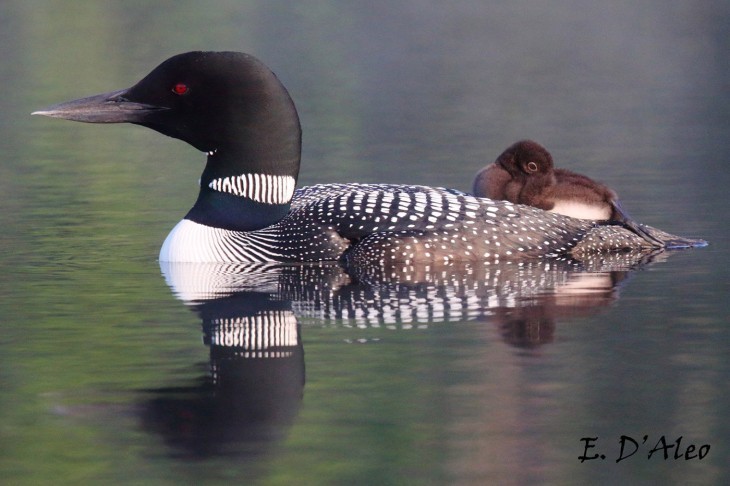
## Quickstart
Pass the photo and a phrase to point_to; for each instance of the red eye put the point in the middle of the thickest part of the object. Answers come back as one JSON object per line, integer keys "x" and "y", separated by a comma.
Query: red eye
{"x": 180, "y": 89}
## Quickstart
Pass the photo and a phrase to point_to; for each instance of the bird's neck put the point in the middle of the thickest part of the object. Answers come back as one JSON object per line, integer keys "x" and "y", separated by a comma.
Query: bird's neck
{"x": 242, "y": 190}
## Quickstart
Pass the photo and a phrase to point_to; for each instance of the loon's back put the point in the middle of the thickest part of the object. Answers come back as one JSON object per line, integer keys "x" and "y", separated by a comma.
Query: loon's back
{"x": 394, "y": 224}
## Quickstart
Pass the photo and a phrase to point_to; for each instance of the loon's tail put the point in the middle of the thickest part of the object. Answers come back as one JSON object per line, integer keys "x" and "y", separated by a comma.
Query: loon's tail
{"x": 672, "y": 241}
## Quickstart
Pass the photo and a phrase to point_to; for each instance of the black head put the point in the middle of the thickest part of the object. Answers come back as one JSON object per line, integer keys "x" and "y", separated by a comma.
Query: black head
{"x": 526, "y": 158}
{"x": 215, "y": 101}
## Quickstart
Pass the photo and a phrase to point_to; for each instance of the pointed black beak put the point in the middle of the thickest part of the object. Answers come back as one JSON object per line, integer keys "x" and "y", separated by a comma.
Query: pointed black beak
{"x": 102, "y": 108}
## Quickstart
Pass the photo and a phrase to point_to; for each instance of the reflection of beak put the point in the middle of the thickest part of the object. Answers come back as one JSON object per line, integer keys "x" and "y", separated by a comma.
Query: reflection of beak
{"x": 102, "y": 108}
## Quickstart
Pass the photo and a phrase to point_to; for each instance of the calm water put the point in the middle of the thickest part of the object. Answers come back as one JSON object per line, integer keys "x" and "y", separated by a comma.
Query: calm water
{"x": 115, "y": 370}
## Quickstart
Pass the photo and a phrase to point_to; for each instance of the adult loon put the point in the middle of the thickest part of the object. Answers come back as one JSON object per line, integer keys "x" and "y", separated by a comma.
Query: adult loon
{"x": 232, "y": 107}
{"x": 524, "y": 174}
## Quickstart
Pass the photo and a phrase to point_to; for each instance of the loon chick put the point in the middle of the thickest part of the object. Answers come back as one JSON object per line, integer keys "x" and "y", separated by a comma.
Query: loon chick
{"x": 232, "y": 107}
{"x": 524, "y": 174}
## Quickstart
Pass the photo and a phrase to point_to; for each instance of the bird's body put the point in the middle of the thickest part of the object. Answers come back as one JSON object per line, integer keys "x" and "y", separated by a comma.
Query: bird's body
{"x": 232, "y": 107}
{"x": 383, "y": 223}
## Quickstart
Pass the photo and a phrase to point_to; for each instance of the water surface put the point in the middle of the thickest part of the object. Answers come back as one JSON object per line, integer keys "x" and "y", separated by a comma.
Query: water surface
{"x": 115, "y": 370}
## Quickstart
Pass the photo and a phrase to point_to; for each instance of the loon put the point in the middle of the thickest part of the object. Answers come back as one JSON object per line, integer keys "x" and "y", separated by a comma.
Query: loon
{"x": 524, "y": 174}
{"x": 232, "y": 107}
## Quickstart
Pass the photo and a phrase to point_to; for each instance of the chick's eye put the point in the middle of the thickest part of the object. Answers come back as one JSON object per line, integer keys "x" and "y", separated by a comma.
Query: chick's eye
{"x": 532, "y": 166}
{"x": 180, "y": 89}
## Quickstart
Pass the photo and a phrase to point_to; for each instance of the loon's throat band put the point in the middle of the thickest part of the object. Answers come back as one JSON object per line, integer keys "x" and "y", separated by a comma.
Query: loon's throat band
{"x": 263, "y": 188}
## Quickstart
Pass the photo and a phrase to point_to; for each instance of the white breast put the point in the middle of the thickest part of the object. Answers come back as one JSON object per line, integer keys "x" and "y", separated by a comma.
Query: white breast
{"x": 189, "y": 242}
{"x": 581, "y": 210}
{"x": 193, "y": 242}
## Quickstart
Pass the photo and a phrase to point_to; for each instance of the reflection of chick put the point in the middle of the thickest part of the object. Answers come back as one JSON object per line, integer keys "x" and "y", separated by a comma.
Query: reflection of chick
{"x": 524, "y": 174}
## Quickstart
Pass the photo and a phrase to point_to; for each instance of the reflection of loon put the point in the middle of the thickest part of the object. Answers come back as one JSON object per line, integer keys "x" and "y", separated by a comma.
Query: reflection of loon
{"x": 250, "y": 316}
{"x": 404, "y": 296}
{"x": 256, "y": 382}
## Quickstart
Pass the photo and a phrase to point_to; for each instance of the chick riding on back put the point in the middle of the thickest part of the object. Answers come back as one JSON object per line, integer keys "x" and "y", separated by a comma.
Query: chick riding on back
{"x": 524, "y": 174}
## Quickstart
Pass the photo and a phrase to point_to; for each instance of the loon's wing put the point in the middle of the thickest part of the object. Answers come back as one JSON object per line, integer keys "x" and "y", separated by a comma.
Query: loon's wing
{"x": 409, "y": 224}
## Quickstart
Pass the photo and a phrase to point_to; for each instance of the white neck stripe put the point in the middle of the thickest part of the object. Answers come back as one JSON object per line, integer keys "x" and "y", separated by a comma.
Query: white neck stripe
{"x": 264, "y": 188}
